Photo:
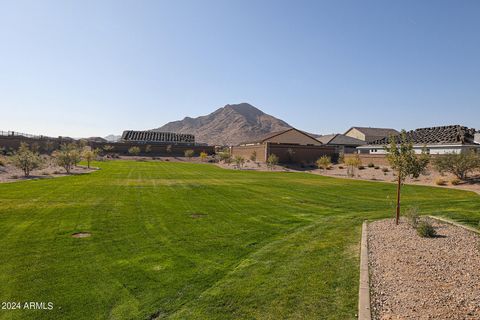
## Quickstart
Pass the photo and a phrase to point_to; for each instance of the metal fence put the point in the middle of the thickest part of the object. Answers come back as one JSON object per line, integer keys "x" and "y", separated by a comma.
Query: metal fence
{"x": 25, "y": 135}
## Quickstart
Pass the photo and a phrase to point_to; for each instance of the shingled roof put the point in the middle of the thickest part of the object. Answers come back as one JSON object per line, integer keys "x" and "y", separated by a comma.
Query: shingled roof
{"x": 271, "y": 135}
{"x": 340, "y": 139}
{"x": 455, "y": 134}
{"x": 368, "y": 131}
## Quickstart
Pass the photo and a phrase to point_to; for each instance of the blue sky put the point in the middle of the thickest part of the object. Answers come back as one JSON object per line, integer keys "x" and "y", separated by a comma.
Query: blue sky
{"x": 90, "y": 68}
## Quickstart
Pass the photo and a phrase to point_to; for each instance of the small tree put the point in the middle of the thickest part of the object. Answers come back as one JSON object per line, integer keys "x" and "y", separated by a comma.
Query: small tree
{"x": 189, "y": 153}
{"x": 353, "y": 163}
{"x": 134, "y": 151}
{"x": 239, "y": 161}
{"x": 458, "y": 164}
{"x": 324, "y": 162}
{"x": 404, "y": 161}
{"x": 253, "y": 156}
{"x": 203, "y": 156}
{"x": 272, "y": 161}
{"x": 68, "y": 156}
{"x": 148, "y": 148}
{"x": 89, "y": 155}
{"x": 26, "y": 160}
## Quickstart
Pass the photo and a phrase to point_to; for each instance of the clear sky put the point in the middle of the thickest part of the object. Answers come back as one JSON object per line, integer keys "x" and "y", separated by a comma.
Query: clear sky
{"x": 91, "y": 68}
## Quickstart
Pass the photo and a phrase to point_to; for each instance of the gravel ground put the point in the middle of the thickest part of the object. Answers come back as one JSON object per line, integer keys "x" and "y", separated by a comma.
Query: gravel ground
{"x": 423, "y": 278}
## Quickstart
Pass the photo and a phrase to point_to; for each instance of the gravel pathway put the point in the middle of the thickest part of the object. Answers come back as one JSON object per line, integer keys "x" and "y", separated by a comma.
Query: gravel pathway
{"x": 423, "y": 278}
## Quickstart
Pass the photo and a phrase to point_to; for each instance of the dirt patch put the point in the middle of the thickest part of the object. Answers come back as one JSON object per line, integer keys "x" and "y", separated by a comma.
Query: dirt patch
{"x": 9, "y": 173}
{"x": 81, "y": 235}
{"x": 423, "y": 278}
{"x": 198, "y": 215}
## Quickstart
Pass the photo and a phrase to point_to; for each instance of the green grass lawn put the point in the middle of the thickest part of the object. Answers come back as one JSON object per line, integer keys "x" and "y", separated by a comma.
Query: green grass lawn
{"x": 260, "y": 245}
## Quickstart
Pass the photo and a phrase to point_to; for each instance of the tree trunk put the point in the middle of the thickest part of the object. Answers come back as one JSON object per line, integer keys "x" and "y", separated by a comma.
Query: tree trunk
{"x": 399, "y": 185}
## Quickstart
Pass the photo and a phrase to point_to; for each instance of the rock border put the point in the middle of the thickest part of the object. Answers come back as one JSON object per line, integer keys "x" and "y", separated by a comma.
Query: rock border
{"x": 364, "y": 311}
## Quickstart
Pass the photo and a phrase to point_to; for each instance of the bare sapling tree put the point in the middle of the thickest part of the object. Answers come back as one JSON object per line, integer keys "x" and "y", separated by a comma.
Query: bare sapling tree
{"x": 405, "y": 163}
{"x": 26, "y": 159}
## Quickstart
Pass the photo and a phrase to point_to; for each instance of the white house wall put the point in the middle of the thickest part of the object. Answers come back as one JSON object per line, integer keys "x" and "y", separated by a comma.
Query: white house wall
{"x": 432, "y": 149}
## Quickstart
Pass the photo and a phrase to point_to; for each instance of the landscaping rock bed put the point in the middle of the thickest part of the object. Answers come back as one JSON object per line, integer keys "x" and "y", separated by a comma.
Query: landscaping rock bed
{"x": 423, "y": 278}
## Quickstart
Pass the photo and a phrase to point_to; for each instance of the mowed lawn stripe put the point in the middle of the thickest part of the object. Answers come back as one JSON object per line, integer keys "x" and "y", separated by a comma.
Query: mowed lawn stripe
{"x": 193, "y": 241}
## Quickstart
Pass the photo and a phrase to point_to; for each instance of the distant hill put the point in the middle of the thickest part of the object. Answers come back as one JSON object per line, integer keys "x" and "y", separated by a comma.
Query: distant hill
{"x": 230, "y": 125}
{"x": 112, "y": 138}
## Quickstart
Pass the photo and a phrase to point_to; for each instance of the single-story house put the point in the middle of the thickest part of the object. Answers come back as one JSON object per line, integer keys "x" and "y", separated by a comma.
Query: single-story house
{"x": 436, "y": 140}
{"x": 290, "y": 146}
{"x": 345, "y": 144}
{"x": 368, "y": 134}
{"x": 290, "y": 136}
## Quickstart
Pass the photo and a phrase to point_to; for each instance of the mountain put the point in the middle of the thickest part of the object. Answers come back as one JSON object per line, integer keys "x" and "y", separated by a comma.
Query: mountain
{"x": 112, "y": 138}
{"x": 230, "y": 125}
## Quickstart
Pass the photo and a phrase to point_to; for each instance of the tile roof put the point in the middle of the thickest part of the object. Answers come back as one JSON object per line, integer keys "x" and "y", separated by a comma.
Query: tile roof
{"x": 454, "y": 134}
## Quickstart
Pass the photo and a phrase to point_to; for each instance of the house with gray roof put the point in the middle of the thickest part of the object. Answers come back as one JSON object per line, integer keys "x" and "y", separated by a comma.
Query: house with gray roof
{"x": 436, "y": 140}
{"x": 369, "y": 134}
{"x": 344, "y": 144}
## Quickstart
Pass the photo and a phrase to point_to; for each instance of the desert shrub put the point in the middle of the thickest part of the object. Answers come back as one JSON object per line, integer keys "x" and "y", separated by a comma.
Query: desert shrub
{"x": 353, "y": 163}
{"x": 324, "y": 162}
{"x": 203, "y": 156}
{"x": 440, "y": 181}
{"x": 239, "y": 161}
{"x": 425, "y": 229}
{"x": 455, "y": 181}
{"x": 68, "y": 156}
{"x": 458, "y": 164}
{"x": 412, "y": 215}
{"x": 361, "y": 168}
{"x": 272, "y": 161}
{"x": 376, "y": 167}
{"x": 2, "y": 163}
{"x": 148, "y": 148}
{"x": 371, "y": 165}
{"x": 189, "y": 153}
{"x": 134, "y": 151}
{"x": 225, "y": 156}
{"x": 108, "y": 148}
{"x": 26, "y": 160}
{"x": 253, "y": 156}
{"x": 384, "y": 169}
